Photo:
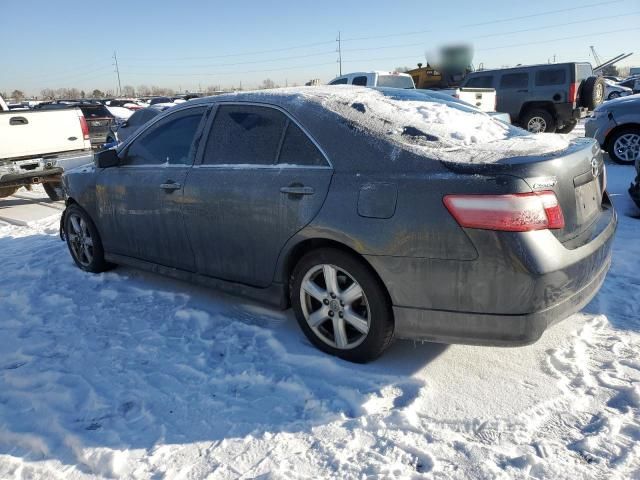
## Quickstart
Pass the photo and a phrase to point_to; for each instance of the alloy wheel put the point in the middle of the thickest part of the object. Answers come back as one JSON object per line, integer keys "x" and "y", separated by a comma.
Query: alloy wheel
{"x": 627, "y": 147}
{"x": 335, "y": 306}
{"x": 537, "y": 125}
{"x": 80, "y": 239}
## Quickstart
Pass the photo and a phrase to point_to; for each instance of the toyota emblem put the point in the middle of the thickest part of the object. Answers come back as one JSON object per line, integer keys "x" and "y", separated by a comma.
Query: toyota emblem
{"x": 595, "y": 169}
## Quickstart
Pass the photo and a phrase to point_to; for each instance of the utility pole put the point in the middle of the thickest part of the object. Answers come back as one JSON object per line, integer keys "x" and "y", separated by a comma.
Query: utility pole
{"x": 339, "y": 40}
{"x": 115, "y": 58}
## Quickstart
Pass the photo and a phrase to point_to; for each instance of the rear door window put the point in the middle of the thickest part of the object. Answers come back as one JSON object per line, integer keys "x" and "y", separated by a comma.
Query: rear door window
{"x": 298, "y": 149}
{"x": 339, "y": 81}
{"x": 245, "y": 135}
{"x": 169, "y": 142}
{"x": 362, "y": 81}
{"x": 481, "y": 81}
{"x": 551, "y": 76}
{"x": 514, "y": 80}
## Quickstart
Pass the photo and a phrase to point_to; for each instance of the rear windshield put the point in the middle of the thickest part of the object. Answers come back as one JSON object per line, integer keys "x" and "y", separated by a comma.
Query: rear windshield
{"x": 395, "y": 81}
{"x": 431, "y": 126}
{"x": 95, "y": 111}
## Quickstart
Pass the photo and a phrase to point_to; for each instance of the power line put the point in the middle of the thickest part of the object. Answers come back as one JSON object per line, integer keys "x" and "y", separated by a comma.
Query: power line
{"x": 561, "y": 38}
{"x": 260, "y": 52}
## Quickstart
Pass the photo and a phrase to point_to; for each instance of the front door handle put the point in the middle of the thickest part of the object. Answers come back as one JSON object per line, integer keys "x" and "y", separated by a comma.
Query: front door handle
{"x": 297, "y": 190}
{"x": 170, "y": 186}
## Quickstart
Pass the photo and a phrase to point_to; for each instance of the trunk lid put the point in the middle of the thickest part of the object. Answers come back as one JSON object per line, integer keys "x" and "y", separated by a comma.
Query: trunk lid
{"x": 577, "y": 176}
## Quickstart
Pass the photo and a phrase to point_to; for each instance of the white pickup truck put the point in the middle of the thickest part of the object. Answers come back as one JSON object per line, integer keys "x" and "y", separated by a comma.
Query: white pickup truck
{"x": 37, "y": 145}
{"x": 482, "y": 98}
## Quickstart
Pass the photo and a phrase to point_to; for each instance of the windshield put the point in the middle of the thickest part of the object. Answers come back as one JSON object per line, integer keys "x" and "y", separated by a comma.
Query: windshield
{"x": 396, "y": 81}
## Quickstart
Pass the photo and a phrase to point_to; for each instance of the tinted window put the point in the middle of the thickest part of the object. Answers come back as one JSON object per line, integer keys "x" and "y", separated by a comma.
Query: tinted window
{"x": 360, "y": 81}
{"x": 169, "y": 142}
{"x": 339, "y": 81}
{"x": 245, "y": 135}
{"x": 481, "y": 81}
{"x": 514, "y": 80}
{"x": 551, "y": 76}
{"x": 298, "y": 149}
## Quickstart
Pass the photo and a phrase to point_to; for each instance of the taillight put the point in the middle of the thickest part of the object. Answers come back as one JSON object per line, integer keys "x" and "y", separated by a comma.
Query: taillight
{"x": 573, "y": 92}
{"x": 84, "y": 126}
{"x": 518, "y": 212}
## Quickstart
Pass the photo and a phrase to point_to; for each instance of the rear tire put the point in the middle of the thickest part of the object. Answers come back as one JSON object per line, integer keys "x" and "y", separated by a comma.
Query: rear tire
{"x": 54, "y": 191}
{"x": 341, "y": 305}
{"x": 8, "y": 191}
{"x": 538, "y": 121}
{"x": 84, "y": 240}
{"x": 624, "y": 145}
{"x": 592, "y": 92}
{"x": 568, "y": 127}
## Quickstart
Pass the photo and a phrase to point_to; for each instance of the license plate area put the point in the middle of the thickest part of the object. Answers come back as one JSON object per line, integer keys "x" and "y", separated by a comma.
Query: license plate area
{"x": 588, "y": 200}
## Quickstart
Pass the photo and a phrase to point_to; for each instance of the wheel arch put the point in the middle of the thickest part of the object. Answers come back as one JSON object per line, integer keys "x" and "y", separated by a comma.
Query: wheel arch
{"x": 616, "y": 129}
{"x": 293, "y": 255}
{"x": 544, "y": 105}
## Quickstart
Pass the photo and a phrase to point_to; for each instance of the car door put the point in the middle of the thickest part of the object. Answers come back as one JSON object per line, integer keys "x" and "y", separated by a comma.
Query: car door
{"x": 139, "y": 202}
{"x": 514, "y": 88}
{"x": 259, "y": 180}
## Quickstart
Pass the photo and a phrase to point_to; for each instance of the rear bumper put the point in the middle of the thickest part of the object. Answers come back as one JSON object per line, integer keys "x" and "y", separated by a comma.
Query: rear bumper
{"x": 487, "y": 329}
{"x": 518, "y": 285}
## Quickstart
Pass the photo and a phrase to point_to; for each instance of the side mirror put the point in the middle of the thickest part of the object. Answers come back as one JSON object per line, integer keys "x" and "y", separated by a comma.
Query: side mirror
{"x": 107, "y": 158}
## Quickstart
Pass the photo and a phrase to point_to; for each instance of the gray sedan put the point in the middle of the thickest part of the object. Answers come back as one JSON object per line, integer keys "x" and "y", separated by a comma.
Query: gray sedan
{"x": 374, "y": 218}
{"x": 616, "y": 127}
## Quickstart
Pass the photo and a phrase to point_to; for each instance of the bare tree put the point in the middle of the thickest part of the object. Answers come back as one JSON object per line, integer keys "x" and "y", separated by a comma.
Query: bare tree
{"x": 128, "y": 91}
{"x": 401, "y": 69}
{"x": 268, "y": 83}
{"x": 17, "y": 95}
{"x": 97, "y": 94}
{"x": 47, "y": 94}
{"x": 144, "y": 90}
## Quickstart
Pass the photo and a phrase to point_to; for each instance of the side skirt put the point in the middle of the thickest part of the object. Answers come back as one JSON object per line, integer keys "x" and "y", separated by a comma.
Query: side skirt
{"x": 274, "y": 295}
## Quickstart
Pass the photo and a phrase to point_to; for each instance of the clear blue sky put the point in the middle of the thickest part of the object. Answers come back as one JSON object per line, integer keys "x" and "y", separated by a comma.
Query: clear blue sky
{"x": 187, "y": 44}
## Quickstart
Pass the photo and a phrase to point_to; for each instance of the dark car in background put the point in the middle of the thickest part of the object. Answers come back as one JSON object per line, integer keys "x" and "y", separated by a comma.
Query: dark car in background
{"x": 543, "y": 98}
{"x": 98, "y": 117}
{"x": 99, "y": 120}
{"x": 372, "y": 217}
{"x": 121, "y": 132}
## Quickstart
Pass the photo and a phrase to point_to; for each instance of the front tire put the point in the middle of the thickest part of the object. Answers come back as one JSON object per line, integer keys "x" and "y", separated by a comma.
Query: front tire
{"x": 539, "y": 121}
{"x": 567, "y": 127}
{"x": 84, "y": 240}
{"x": 624, "y": 145}
{"x": 341, "y": 305}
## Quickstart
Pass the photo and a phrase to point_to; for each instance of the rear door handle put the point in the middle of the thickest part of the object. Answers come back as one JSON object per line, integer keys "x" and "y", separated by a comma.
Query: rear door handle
{"x": 170, "y": 186}
{"x": 523, "y": 91}
{"x": 18, "y": 121}
{"x": 297, "y": 190}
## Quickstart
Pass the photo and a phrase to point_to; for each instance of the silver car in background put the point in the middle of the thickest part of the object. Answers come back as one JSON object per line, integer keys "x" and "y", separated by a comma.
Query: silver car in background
{"x": 616, "y": 127}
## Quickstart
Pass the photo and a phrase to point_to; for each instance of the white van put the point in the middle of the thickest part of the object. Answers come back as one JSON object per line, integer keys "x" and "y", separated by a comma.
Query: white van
{"x": 375, "y": 79}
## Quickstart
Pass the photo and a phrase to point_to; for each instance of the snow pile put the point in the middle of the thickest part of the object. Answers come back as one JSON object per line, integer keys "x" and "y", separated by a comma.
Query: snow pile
{"x": 427, "y": 125}
{"x": 130, "y": 375}
{"x": 120, "y": 112}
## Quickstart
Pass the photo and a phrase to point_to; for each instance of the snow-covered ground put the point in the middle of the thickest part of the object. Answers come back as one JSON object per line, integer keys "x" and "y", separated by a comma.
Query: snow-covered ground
{"x": 128, "y": 374}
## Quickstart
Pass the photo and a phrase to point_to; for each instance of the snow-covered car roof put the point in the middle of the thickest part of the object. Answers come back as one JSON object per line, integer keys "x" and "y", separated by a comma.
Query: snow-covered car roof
{"x": 417, "y": 121}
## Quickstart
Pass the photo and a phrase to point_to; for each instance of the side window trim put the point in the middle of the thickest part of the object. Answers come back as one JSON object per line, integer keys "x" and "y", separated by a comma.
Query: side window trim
{"x": 208, "y": 124}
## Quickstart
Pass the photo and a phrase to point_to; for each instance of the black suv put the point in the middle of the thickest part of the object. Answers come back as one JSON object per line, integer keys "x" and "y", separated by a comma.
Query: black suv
{"x": 543, "y": 98}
